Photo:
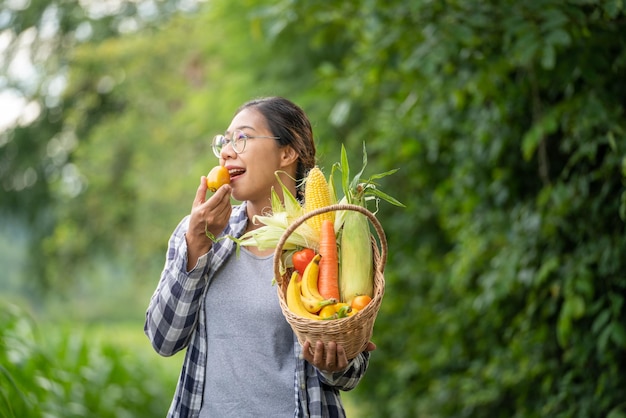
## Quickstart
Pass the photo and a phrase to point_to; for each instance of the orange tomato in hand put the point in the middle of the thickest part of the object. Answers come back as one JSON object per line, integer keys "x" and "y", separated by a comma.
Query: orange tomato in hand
{"x": 360, "y": 302}
{"x": 217, "y": 177}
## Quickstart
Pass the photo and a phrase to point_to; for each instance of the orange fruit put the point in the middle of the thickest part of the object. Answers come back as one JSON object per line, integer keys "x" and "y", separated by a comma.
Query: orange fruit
{"x": 217, "y": 177}
{"x": 360, "y": 302}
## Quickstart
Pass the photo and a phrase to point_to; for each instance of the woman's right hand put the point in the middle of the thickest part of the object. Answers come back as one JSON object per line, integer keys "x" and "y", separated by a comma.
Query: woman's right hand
{"x": 207, "y": 215}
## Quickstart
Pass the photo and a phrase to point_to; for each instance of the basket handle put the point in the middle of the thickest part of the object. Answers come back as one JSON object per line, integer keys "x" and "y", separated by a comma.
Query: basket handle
{"x": 336, "y": 207}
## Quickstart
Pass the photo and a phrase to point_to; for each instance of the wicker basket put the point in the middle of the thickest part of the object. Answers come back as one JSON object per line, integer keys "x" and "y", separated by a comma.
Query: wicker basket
{"x": 353, "y": 332}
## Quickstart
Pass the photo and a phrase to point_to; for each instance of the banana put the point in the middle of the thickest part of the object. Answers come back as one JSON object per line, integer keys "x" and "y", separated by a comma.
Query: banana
{"x": 294, "y": 301}
{"x": 309, "y": 279}
{"x": 315, "y": 305}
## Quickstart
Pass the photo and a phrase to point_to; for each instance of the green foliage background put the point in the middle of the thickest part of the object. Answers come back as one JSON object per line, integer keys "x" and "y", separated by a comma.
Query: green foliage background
{"x": 505, "y": 284}
{"x": 75, "y": 372}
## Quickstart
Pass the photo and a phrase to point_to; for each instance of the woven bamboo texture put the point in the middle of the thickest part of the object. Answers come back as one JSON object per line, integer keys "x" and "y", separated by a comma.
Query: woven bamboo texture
{"x": 353, "y": 332}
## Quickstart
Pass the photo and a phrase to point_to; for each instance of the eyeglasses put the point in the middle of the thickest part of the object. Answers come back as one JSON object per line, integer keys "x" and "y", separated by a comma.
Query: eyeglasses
{"x": 237, "y": 140}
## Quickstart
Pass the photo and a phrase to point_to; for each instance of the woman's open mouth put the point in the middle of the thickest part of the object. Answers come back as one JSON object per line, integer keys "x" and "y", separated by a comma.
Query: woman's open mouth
{"x": 235, "y": 172}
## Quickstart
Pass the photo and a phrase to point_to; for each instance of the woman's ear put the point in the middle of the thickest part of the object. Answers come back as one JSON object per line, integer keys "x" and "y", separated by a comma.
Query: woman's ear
{"x": 288, "y": 156}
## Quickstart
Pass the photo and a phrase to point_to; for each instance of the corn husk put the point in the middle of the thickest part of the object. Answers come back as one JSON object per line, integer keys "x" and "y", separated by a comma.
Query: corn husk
{"x": 356, "y": 275}
{"x": 283, "y": 213}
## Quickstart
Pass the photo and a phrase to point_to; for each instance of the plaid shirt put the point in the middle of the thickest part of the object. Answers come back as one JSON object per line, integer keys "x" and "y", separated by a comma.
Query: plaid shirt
{"x": 175, "y": 320}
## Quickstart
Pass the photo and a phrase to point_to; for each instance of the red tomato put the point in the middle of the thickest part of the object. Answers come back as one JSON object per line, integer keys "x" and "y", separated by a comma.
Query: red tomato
{"x": 302, "y": 258}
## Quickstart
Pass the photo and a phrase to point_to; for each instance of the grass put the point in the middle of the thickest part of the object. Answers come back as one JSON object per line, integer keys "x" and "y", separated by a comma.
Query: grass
{"x": 70, "y": 370}
{"x": 130, "y": 335}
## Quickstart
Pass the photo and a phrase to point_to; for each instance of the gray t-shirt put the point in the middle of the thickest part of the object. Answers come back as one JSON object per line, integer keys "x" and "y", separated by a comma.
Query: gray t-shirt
{"x": 250, "y": 359}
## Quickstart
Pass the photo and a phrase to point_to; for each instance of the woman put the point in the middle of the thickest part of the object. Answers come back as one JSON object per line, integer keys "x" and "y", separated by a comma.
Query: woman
{"x": 242, "y": 357}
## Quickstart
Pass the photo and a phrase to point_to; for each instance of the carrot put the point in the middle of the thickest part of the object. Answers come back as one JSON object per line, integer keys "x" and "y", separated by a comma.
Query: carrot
{"x": 328, "y": 279}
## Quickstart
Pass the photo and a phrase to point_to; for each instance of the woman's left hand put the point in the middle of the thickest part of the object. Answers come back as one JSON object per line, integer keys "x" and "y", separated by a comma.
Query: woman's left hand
{"x": 331, "y": 358}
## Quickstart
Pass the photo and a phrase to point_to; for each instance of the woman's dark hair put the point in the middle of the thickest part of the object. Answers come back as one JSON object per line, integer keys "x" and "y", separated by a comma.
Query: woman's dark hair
{"x": 288, "y": 121}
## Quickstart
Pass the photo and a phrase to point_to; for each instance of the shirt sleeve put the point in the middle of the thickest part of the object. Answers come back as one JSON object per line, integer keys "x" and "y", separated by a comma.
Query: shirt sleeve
{"x": 174, "y": 306}
{"x": 349, "y": 378}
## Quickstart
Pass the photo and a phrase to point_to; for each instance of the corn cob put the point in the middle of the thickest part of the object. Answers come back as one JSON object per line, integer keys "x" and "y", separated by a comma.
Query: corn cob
{"x": 356, "y": 276}
{"x": 317, "y": 195}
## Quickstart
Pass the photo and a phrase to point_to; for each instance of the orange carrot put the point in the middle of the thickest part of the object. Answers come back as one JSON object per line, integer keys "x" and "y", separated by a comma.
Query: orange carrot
{"x": 328, "y": 279}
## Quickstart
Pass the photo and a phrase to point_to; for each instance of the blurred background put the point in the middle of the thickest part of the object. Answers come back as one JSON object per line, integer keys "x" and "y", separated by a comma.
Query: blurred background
{"x": 505, "y": 279}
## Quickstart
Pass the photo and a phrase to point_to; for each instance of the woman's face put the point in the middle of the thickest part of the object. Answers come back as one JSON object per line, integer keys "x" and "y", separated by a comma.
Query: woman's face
{"x": 252, "y": 171}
